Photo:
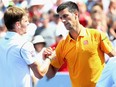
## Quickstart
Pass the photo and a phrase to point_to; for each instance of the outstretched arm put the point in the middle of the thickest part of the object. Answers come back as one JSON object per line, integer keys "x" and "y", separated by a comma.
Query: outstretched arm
{"x": 41, "y": 69}
{"x": 51, "y": 72}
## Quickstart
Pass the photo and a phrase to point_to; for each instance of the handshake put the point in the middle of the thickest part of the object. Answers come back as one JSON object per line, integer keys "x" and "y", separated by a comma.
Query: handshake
{"x": 49, "y": 53}
{"x": 52, "y": 56}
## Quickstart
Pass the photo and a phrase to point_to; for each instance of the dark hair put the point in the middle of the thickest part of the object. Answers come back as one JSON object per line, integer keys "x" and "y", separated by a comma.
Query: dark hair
{"x": 12, "y": 15}
{"x": 98, "y": 4}
{"x": 56, "y": 15}
{"x": 111, "y": 3}
{"x": 72, "y": 7}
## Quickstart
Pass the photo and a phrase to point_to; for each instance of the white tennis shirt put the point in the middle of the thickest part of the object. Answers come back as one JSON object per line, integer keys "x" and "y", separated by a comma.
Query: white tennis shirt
{"x": 15, "y": 56}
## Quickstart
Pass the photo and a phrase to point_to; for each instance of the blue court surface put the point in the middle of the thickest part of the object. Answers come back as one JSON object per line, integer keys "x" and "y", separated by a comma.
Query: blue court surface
{"x": 60, "y": 80}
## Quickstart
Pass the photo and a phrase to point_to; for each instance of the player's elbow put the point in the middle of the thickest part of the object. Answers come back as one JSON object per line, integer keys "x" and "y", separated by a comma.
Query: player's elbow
{"x": 50, "y": 76}
{"x": 39, "y": 76}
{"x": 51, "y": 72}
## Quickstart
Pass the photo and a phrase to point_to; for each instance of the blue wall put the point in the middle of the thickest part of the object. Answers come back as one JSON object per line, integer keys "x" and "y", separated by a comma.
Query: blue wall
{"x": 60, "y": 80}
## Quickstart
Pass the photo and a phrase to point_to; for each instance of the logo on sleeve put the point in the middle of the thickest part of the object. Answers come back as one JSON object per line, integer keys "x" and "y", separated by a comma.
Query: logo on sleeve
{"x": 32, "y": 54}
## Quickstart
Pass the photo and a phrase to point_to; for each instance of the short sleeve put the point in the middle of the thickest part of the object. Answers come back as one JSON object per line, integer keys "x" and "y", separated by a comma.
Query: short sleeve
{"x": 28, "y": 53}
{"x": 105, "y": 43}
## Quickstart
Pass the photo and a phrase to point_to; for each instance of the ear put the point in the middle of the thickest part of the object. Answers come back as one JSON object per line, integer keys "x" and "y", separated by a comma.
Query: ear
{"x": 76, "y": 14}
{"x": 17, "y": 25}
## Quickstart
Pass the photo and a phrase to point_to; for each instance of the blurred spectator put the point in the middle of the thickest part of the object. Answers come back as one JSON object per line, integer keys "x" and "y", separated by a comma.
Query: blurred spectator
{"x": 34, "y": 8}
{"x": 59, "y": 26}
{"x": 5, "y": 4}
{"x": 90, "y": 4}
{"x": 2, "y": 31}
{"x": 98, "y": 17}
{"x": 84, "y": 15}
{"x": 113, "y": 34}
{"x": 2, "y": 26}
{"x": 21, "y": 3}
{"x": 112, "y": 11}
{"x": 39, "y": 45}
{"x": 105, "y": 5}
{"x": 51, "y": 13}
{"x": 113, "y": 30}
{"x": 36, "y": 21}
{"x": 47, "y": 30}
{"x": 111, "y": 15}
{"x": 1, "y": 5}
{"x": 58, "y": 39}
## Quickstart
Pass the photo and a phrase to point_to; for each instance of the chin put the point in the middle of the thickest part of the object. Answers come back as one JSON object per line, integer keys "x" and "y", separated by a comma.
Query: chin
{"x": 67, "y": 27}
{"x": 23, "y": 33}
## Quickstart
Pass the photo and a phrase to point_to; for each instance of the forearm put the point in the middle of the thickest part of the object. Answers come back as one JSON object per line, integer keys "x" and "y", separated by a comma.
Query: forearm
{"x": 45, "y": 66}
{"x": 51, "y": 72}
{"x": 40, "y": 70}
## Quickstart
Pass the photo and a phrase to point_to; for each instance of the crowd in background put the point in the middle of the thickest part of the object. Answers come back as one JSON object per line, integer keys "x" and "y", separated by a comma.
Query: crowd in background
{"x": 46, "y": 29}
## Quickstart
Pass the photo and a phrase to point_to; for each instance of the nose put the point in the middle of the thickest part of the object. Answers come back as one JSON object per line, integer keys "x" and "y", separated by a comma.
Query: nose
{"x": 63, "y": 20}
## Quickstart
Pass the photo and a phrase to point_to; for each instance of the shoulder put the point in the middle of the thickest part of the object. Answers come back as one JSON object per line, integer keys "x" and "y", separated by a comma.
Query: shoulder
{"x": 27, "y": 45}
{"x": 93, "y": 32}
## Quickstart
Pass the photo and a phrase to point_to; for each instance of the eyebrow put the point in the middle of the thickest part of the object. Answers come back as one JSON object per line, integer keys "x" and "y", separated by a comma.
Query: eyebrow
{"x": 64, "y": 16}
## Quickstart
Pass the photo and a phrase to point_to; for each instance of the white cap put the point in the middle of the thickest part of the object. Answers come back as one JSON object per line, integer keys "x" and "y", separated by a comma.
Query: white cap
{"x": 38, "y": 39}
{"x": 36, "y": 2}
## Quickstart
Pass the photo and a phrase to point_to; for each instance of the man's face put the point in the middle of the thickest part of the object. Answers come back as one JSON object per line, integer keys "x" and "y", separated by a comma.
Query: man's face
{"x": 113, "y": 8}
{"x": 68, "y": 19}
{"x": 24, "y": 22}
{"x": 96, "y": 15}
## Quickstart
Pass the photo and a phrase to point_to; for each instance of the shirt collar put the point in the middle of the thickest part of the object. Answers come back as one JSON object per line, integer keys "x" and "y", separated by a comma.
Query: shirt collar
{"x": 12, "y": 35}
{"x": 82, "y": 33}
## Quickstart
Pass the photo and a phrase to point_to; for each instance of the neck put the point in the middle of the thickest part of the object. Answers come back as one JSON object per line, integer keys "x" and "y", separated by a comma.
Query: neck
{"x": 75, "y": 32}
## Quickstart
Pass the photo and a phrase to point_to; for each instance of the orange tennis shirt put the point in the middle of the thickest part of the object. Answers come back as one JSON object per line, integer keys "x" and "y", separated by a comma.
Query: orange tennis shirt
{"x": 84, "y": 56}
